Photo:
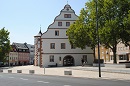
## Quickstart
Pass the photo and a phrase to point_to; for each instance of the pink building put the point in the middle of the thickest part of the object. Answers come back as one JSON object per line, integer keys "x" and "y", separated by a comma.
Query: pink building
{"x": 23, "y": 53}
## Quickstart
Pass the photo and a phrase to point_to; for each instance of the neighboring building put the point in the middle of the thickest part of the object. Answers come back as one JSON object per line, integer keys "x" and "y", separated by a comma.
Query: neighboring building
{"x": 23, "y": 53}
{"x": 104, "y": 53}
{"x": 31, "y": 50}
{"x": 13, "y": 56}
{"x": 123, "y": 53}
{"x": 53, "y": 47}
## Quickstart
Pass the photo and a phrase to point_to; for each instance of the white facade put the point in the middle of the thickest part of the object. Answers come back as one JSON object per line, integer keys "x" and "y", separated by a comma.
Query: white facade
{"x": 56, "y": 35}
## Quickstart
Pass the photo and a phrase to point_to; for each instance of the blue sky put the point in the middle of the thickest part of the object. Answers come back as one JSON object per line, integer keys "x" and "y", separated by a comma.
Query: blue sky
{"x": 22, "y": 18}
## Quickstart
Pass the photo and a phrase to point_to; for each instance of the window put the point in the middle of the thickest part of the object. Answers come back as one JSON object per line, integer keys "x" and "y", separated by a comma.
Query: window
{"x": 72, "y": 46}
{"x": 66, "y": 33}
{"x": 123, "y": 57}
{"x": 52, "y": 46}
{"x": 121, "y": 48}
{"x": 20, "y": 50}
{"x": 118, "y": 48}
{"x": 51, "y": 58}
{"x": 67, "y": 15}
{"x": 56, "y": 33}
{"x": 62, "y": 45}
{"x": 85, "y": 58}
{"x": 111, "y": 57}
{"x": 67, "y": 23}
{"x": 59, "y": 58}
{"x": 32, "y": 47}
{"x": 31, "y": 50}
{"x": 59, "y": 23}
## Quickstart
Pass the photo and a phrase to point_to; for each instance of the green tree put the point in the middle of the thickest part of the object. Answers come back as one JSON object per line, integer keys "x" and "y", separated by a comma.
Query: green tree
{"x": 83, "y": 31}
{"x": 4, "y": 44}
{"x": 113, "y": 24}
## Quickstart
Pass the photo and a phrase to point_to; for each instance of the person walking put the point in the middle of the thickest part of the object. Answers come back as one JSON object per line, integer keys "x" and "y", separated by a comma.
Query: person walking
{"x": 82, "y": 61}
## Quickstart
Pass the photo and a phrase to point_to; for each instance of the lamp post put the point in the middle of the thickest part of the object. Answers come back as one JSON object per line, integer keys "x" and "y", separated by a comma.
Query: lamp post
{"x": 98, "y": 39}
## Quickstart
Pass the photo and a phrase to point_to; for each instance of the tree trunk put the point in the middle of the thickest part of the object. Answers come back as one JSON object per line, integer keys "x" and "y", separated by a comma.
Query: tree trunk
{"x": 114, "y": 56}
{"x": 94, "y": 54}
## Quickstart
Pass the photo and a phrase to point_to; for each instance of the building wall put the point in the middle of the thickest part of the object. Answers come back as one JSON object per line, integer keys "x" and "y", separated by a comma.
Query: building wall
{"x": 51, "y": 33}
{"x": 31, "y": 50}
{"x": 122, "y": 53}
{"x": 23, "y": 58}
{"x": 13, "y": 58}
{"x": 46, "y": 47}
{"x": 77, "y": 59}
{"x": 104, "y": 53}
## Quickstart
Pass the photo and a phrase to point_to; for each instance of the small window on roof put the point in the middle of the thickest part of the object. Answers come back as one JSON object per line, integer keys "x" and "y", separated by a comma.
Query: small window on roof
{"x": 67, "y": 15}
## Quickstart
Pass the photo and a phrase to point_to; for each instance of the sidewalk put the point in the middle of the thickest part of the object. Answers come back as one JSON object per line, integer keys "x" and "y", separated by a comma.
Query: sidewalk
{"x": 77, "y": 71}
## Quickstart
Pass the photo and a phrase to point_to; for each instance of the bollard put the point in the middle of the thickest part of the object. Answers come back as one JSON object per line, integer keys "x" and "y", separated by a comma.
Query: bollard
{"x": 67, "y": 72}
{"x": 19, "y": 71}
{"x": 31, "y": 71}
{"x": 9, "y": 71}
{"x": 44, "y": 70}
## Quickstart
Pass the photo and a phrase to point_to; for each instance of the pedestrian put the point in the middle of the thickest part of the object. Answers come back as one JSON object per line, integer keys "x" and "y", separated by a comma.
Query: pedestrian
{"x": 82, "y": 60}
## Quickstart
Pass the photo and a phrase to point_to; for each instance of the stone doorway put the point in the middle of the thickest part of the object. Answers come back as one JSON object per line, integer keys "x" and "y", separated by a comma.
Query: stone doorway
{"x": 68, "y": 61}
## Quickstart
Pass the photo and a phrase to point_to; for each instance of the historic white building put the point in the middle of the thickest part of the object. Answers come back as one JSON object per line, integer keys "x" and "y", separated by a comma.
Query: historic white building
{"x": 52, "y": 48}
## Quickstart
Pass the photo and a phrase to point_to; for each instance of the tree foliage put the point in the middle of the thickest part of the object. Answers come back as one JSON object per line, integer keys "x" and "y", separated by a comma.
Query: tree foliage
{"x": 4, "y": 44}
{"x": 113, "y": 23}
{"x": 113, "y": 28}
{"x": 83, "y": 31}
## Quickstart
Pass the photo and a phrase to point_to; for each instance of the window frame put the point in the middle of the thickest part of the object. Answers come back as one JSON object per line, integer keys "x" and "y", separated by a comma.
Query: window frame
{"x": 85, "y": 58}
{"x": 72, "y": 46}
{"x": 67, "y": 15}
{"x": 51, "y": 57}
{"x": 63, "y": 46}
{"x": 59, "y": 58}
{"x": 59, "y": 23}
{"x": 56, "y": 32}
{"x": 51, "y": 46}
{"x": 67, "y": 24}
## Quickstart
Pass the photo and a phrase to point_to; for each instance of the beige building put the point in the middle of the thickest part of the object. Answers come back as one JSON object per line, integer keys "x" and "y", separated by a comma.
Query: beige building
{"x": 104, "y": 53}
{"x": 13, "y": 56}
{"x": 122, "y": 53}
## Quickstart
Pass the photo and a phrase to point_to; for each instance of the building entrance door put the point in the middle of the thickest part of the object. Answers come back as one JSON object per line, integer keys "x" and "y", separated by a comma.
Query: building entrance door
{"x": 68, "y": 61}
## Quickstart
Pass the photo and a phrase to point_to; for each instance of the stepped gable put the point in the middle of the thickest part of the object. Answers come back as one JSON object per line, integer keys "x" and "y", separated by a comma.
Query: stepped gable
{"x": 66, "y": 10}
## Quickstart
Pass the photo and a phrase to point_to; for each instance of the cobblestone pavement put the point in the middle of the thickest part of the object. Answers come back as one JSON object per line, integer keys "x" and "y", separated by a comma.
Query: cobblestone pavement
{"x": 114, "y": 73}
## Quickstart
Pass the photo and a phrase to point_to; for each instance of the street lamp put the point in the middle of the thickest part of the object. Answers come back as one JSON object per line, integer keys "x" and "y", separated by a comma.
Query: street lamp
{"x": 98, "y": 39}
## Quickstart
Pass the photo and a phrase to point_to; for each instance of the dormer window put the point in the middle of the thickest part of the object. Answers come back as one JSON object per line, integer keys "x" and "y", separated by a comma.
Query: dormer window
{"x": 67, "y": 15}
